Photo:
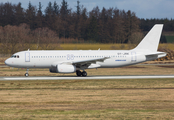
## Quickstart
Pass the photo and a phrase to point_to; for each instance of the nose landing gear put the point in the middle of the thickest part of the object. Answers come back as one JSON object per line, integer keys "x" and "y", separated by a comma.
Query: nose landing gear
{"x": 79, "y": 73}
{"x": 26, "y": 74}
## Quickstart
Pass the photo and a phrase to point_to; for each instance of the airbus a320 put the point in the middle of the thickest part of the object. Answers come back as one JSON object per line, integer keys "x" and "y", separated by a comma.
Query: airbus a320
{"x": 71, "y": 61}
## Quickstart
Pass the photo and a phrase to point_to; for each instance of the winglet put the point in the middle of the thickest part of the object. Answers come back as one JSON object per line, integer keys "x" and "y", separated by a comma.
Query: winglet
{"x": 151, "y": 40}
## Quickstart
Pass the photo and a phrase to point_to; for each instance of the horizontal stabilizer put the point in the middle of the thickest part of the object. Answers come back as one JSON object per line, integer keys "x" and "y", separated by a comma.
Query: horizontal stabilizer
{"x": 154, "y": 56}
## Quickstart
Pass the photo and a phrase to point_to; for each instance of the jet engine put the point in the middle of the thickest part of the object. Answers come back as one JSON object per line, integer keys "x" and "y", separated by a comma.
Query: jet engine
{"x": 63, "y": 69}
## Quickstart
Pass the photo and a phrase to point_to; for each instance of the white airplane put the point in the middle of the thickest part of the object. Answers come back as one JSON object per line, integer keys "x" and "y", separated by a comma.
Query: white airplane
{"x": 71, "y": 61}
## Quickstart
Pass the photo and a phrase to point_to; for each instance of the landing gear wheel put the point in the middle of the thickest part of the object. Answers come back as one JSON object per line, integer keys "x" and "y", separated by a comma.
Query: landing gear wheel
{"x": 78, "y": 73}
{"x": 26, "y": 74}
{"x": 84, "y": 73}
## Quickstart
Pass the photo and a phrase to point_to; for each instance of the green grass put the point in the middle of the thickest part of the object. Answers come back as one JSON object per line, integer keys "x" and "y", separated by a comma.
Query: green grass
{"x": 87, "y": 99}
{"x": 89, "y": 84}
{"x": 96, "y": 46}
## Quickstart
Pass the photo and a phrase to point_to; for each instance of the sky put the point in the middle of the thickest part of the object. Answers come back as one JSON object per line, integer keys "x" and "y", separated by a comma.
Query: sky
{"x": 146, "y": 9}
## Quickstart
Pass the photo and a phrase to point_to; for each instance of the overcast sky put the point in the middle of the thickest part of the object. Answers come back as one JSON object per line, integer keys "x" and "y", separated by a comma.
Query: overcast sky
{"x": 142, "y": 8}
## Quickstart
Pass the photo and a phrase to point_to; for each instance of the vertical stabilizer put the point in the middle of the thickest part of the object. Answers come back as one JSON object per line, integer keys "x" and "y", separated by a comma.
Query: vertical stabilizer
{"x": 151, "y": 40}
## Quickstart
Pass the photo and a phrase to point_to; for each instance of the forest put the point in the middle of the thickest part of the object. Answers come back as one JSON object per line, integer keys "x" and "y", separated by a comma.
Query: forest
{"x": 60, "y": 24}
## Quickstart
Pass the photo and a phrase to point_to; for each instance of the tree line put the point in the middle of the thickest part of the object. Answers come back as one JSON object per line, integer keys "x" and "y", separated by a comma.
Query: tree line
{"x": 18, "y": 38}
{"x": 146, "y": 24}
{"x": 102, "y": 26}
{"x": 107, "y": 25}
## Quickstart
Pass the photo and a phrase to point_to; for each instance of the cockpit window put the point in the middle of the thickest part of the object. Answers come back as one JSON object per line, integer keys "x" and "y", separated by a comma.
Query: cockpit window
{"x": 15, "y": 56}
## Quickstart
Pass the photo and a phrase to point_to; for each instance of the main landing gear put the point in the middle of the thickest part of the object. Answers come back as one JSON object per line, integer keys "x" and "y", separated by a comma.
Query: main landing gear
{"x": 26, "y": 74}
{"x": 79, "y": 73}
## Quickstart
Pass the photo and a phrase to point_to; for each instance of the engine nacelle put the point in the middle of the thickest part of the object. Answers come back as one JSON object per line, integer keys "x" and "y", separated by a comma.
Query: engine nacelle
{"x": 63, "y": 69}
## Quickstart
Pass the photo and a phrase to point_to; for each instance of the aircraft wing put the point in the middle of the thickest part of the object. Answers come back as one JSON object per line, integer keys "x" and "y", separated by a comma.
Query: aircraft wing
{"x": 90, "y": 63}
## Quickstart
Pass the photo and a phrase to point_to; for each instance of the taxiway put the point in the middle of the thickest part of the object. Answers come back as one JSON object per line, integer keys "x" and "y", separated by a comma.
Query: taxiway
{"x": 85, "y": 78}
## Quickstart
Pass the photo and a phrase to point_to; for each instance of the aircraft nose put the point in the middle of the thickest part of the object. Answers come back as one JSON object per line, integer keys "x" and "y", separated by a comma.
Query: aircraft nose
{"x": 7, "y": 62}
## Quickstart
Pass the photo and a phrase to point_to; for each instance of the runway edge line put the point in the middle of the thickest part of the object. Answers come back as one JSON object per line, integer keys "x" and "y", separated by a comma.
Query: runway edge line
{"x": 87, "y": 78}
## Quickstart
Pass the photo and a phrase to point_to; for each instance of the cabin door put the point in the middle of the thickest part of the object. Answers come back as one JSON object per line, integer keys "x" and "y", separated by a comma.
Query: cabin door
{"x": 27, "y": 57}
{"x": 133, "y": 57}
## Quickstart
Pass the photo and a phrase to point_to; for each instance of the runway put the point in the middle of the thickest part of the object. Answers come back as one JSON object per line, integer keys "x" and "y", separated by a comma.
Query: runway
{"x": 86, "y": 78}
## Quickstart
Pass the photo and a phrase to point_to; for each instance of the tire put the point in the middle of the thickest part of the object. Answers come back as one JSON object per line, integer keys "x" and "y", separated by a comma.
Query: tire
{"x": 78, "y": 73}
{"x": 84, "y": 73}
{"x": 26, "y": 74}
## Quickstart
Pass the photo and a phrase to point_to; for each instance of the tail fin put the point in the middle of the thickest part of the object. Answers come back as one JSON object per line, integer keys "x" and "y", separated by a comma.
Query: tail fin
{"x": 151, "y": 40}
